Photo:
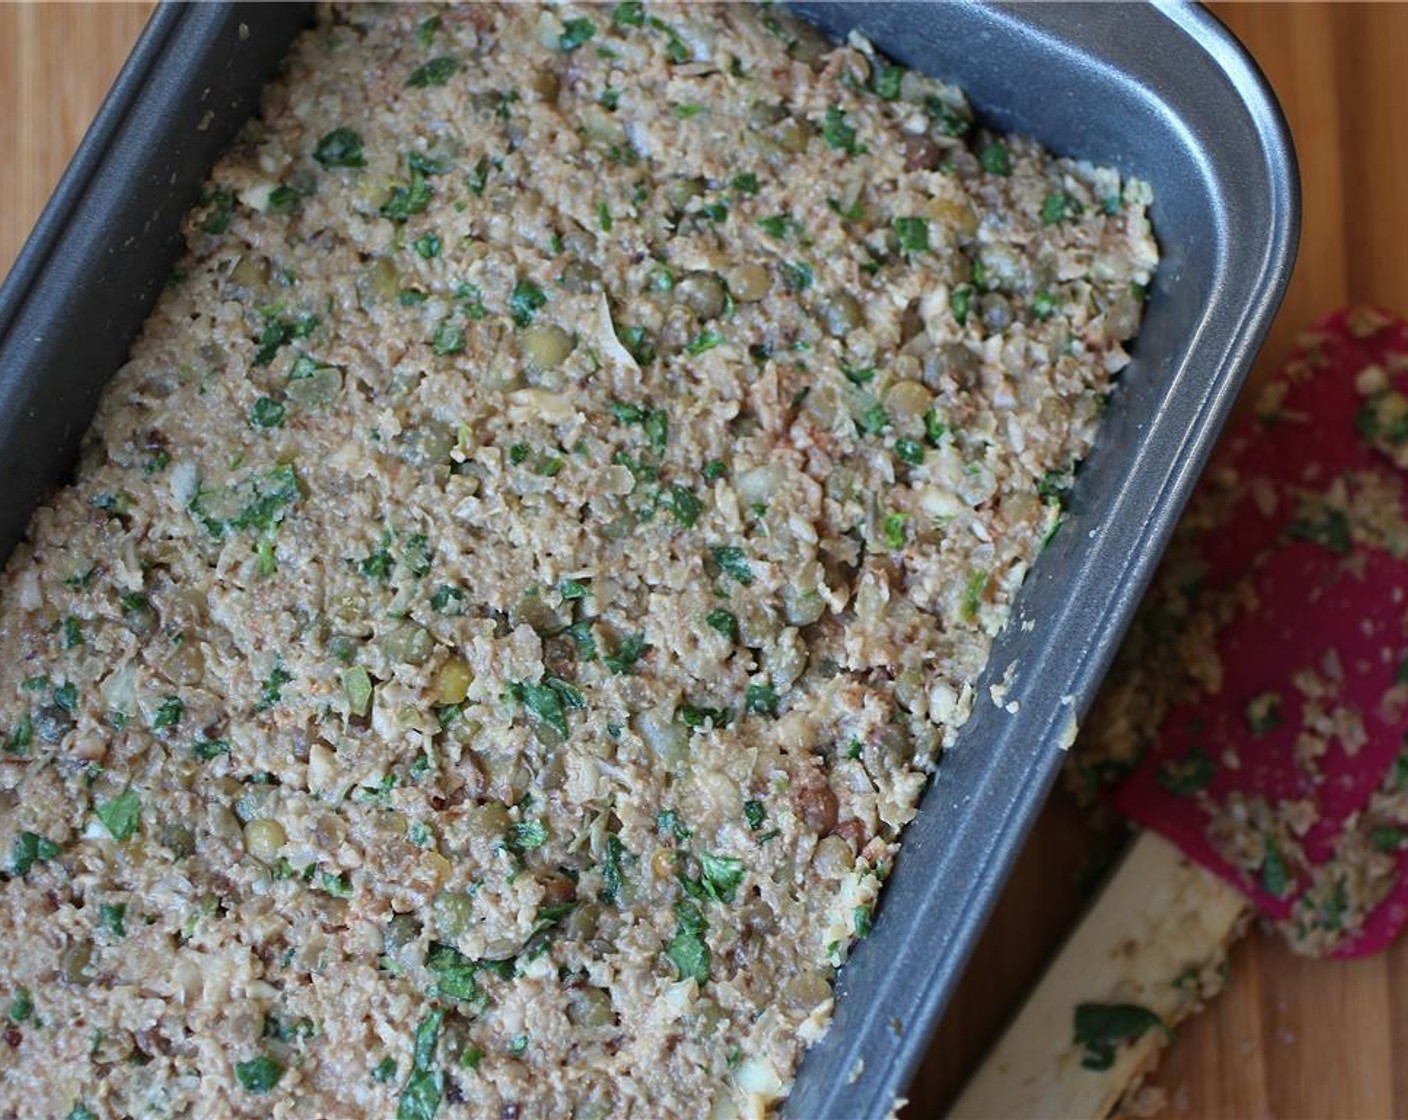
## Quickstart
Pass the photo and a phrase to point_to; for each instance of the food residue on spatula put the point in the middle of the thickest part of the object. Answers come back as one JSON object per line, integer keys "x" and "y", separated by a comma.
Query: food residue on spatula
{"x": 1266, "y": 679}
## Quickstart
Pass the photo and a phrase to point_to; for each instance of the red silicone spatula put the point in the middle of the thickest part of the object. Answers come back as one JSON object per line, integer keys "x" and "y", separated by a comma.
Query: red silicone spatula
{"x": 1285, "y": 781}
{"x": 1279, "y": 764}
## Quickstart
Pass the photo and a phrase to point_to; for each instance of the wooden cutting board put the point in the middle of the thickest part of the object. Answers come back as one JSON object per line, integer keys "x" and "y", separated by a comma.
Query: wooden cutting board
{"x": 1290, "y": 1038}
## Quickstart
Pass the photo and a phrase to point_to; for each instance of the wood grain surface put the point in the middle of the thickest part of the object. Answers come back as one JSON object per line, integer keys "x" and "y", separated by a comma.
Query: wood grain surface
{"x": 1290, "y": 1038}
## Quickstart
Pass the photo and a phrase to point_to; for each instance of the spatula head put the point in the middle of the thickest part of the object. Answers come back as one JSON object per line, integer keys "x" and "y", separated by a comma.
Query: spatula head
{"x": 1289, "y": 778}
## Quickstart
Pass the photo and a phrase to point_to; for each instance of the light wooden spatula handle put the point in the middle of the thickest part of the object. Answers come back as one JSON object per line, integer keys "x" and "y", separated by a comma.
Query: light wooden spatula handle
{"x": 1160, "y": 918}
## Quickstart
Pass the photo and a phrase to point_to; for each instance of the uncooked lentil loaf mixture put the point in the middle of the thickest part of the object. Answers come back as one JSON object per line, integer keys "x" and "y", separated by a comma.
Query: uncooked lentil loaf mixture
{"x": 514, "y": 596}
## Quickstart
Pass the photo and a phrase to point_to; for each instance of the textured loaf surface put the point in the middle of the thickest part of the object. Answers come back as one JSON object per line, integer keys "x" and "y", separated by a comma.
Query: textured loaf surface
{"x": 514, "y": 596}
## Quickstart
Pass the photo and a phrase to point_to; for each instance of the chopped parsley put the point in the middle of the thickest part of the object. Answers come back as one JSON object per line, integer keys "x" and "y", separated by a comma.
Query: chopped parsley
{"x": 21, "y": 1005}
{"x": 873, "y": 420}
{"x": 409, "y": 198}
{"x": 852, "y": 213}
{"x": 996, "y": 159}
{"x": 912, "y": 234}
{"x": 1187, "y": 775}
{"x": 121, "y": 815}
{"x": 638, "y": 343}
{"x": 479, "y": 176}
{"x": 415, "y": 554}
{"x": 723, "y": 622}
{"x": 384, "y": 1071}
{"x": 934, "y": 428}
{"x": 655, "y": 422}
{"x": 796, "y": 275}
{"x": 1328, "y": 528}
{"x": 575, "y": 32}
{"x": 960, "y": 302}
{"x": 1058, "y": 206}
{"x": 454, "y": 972}
{"x": 436, "y": 72}
{"x": 66, "y": 697}
{"x": 279, "y": 331}
{"x": 28, "y": 849}
{"x": 168, "y": 713}
{"x": 1101, "y": 1028}
{"x": 261, "y": 501}
{"x": 420, "y": 1096}
{"x": 687, "y": 950}
{"x": 581, "y": 635}
{"x": 675, "y": 48}
{"x": 1275, "y": 875}
{"x": 839, "y": 133}
{"x": 629, "y": 13}
{"x": 427, "y": 247}
{"x": 259, "y": 1074}
{"x": 716, "y": 211}
{"x": 777, "y": 225}
{"x": 628, "y": 652}
{"x": 342, "y": 147}
{"x": 694, "y": 716}
{"x": 1386, "y": 839}
{"x": 684, "y": 507}
{"x": 207, "y": 749}
{"x": 377, "y": 565}
{"x": 761, "y": 699}
{"x": 448, "y": 339}
{"x": 1043, "y": 306}
{"x": 526, "y": 300}
{"x": 885, "y": 79}
{"x": 222, "y": 210}
{"x": 720, "y": 876}
{"x": 447, "y": 600}
{"x": 611, "y": 869}
{"x": 570, "y": 589}
{"x": 427, "y": 164}
{"x": 267, "y": 413}
{"x": 909, "y": 451}
{"x": 471, "y": 301}
{"x": 973, "y": 589}
{"x": 283, "y": 199}
{"x": 1263, "y": 713}
{"x": 525, "y": 836}
{"x": 113, "y": 916}
{"x": 950, "y": 122}
{"x": 894, "y": 530}
{"x": 272, "y": 691}
{"x": 703, "y": 341}
{"x": 547, "y": 703}
{"x": 732, "y": 561}
{"x": 72, "y": 632}
{"x": 755, "y": 813}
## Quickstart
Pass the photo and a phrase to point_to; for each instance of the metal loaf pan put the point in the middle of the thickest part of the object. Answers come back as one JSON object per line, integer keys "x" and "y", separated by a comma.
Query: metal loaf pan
{"x": 1162, "y": 92}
